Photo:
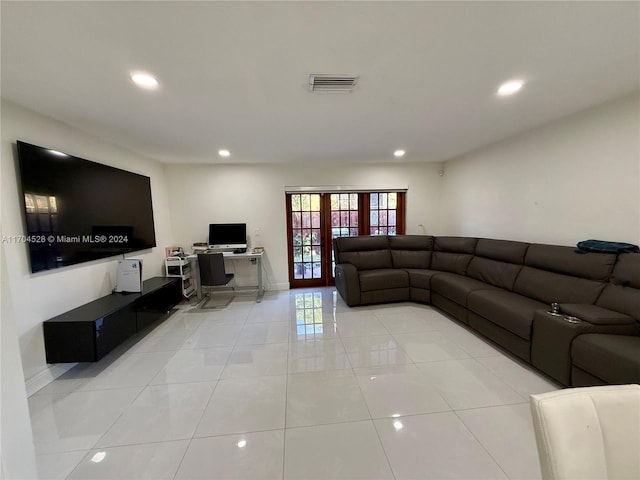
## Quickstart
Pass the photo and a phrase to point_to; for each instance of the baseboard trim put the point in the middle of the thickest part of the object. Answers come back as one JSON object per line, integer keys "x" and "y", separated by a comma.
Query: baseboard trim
{"x": 46, "y": 376}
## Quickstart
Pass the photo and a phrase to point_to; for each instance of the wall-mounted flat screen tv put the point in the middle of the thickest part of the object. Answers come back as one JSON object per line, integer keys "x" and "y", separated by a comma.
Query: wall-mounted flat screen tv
{"x": 227, "y": 235}
{"x": 76, "y": 210}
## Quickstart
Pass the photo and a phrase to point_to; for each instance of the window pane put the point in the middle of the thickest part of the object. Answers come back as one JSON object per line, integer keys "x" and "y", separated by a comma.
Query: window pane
{"x": 374, "y": 218}
{"x": 354, "y": 219}
{"x": 306, "y": 220}
{"x": 344, "y": 232}
{"x": 297, "y": 254}
{"x": 344, "y": 219}
{"x": 306, "y": 202}
{"x": 297, "y": 271}
{"x": 393, "y": 200}
{"x": 295, "y": 202}
{"x": 374, "y": 200}
{"x": 307, "y": 270}
{"x": 306, "y": 237}
{"x": 315, "y": 202}
{"x": 315, "y": 236}
{"x": 296, "y": 219}
{"x": 317, "y": 270}
{"x": 382, "y": 231}
{"x": 335, "y": 201}
{"x": 353, "y": 201}
{"x": 316, "y": 253}
{"x": 382, "y": 220}
{"x": 392, "y": 218}
{"x": 297, "y": 237}
{"x": 315, "y": 219}
{"x": 306, "y": 254}
{"x": 344, "y": 201}
{"x": 353, "y": 232}
{"x": 392, "y": 231}
{"x": 383, "y": 200}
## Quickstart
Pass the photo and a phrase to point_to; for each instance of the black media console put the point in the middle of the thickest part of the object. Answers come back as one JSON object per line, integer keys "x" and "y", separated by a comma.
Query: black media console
{"x": 89, "y": 332}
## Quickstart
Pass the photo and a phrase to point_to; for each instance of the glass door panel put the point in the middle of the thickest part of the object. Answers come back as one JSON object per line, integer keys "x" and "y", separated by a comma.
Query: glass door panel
{"x": 345, "y": 219}
{"x": 305, "y": 239}
{"x": 315, "y": 219}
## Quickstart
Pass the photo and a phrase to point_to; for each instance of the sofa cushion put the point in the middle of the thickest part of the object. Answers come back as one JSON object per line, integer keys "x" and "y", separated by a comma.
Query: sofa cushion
{"x": 456, "y": 287}
{"x": 614, "y": 358}
{"x": 509, "y": 310}
{"x": 450, "y": 262}
{"x": 420, "y": 278}
{"x": 452, "y": 254}
{"x": 493, "y": 272}
{"x": 596, "y": 315}
{"x": 364, "y": 252}
{"x": 455, "y": 244}
{"x": 383, "y": 279}
{"x": 410, "y": 258}
{"x": 411, "y": 242}
{"x": 626, "y": 272}
{"x": 621, "y": 299}
{"x": 368, "y": 260}
{"x": 551, "y": 287}
{"x": 622, "y": 294}
{"x": 361, "y": 243}
{"x": 502, "y": 250}
{"x": 565, "y": 260}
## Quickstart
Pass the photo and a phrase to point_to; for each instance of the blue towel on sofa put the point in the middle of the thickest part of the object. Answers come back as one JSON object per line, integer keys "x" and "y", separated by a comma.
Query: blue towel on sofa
{"x": 602, "y": 246}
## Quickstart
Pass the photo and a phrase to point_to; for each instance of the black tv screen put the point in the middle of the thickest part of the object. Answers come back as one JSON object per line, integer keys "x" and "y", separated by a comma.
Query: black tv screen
{"x": 226, "y": 235}
{"x": 77, "y": 210}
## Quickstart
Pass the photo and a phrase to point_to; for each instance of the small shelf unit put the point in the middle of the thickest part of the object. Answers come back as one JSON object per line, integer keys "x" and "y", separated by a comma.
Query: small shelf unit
{"x": 179, "y": 267}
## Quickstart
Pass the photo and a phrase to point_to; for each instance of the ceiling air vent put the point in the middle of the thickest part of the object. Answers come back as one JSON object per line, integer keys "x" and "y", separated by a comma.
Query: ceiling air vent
{"x": 332, "y": 83}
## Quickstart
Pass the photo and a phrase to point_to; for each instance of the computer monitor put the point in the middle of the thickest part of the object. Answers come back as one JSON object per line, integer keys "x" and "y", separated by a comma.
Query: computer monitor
{"x": 227, "y": 235}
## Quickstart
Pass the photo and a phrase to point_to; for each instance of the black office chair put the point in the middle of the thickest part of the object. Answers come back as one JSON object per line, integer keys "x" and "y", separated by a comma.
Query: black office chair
{"x": 213, "y": 274}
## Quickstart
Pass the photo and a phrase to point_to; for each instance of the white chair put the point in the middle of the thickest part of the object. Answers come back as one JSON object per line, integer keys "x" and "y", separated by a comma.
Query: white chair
{"x": 588, "y": 433}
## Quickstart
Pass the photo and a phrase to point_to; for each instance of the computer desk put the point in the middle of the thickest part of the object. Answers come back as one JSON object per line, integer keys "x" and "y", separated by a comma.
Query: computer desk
{"x": 253, "y": 257}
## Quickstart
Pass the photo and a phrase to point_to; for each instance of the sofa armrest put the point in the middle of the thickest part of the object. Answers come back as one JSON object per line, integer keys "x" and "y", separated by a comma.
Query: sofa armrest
{"x": 347, "y": 283}
{"x": 553, "y": 335}
{"x": 596, "y": 315}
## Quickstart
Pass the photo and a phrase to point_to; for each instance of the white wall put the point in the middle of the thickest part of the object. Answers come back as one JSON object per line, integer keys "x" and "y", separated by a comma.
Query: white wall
{"x": 255, "y": 194}
{"x": 571, "y": 180}
{"x": 33, "y": 298}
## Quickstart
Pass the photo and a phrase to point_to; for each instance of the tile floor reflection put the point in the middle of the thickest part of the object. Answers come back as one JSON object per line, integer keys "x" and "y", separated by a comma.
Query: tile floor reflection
{"x": 299, "y": 386}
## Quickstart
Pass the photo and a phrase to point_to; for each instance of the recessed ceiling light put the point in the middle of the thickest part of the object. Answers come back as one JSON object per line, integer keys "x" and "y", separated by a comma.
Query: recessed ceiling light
{"x": 98, "y": 457}
{"x": 144, "y": 80}
{"x": 399, "y": 153}
{"x": 510, "y": 87}
{"x": 224, "y": 153}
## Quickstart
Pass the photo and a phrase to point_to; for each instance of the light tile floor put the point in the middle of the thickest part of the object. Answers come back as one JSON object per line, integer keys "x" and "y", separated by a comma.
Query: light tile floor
{"x": 297, "y": 387}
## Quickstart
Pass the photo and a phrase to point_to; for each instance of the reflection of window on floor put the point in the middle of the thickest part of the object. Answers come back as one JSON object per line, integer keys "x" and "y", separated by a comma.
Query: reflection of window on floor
{"x": 308, "y": 313}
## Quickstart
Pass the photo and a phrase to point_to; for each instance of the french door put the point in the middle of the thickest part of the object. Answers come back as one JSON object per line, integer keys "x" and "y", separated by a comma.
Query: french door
{"x": 314, "y": 219}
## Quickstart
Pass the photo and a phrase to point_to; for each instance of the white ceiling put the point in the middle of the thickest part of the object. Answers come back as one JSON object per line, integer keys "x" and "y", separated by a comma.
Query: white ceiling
{"x": 234, "y": 74}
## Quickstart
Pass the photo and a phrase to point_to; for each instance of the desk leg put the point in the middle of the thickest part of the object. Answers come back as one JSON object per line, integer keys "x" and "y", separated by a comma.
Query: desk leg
{"x": 260, "y": 286}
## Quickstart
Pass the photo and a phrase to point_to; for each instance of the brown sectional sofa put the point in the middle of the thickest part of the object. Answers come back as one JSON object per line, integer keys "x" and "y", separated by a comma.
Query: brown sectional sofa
{"x": 503, "y": 289}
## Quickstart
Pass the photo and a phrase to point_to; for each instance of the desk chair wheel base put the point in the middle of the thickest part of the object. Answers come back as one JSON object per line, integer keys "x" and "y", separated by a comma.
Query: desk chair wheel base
{"x": 215, "y": 301}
